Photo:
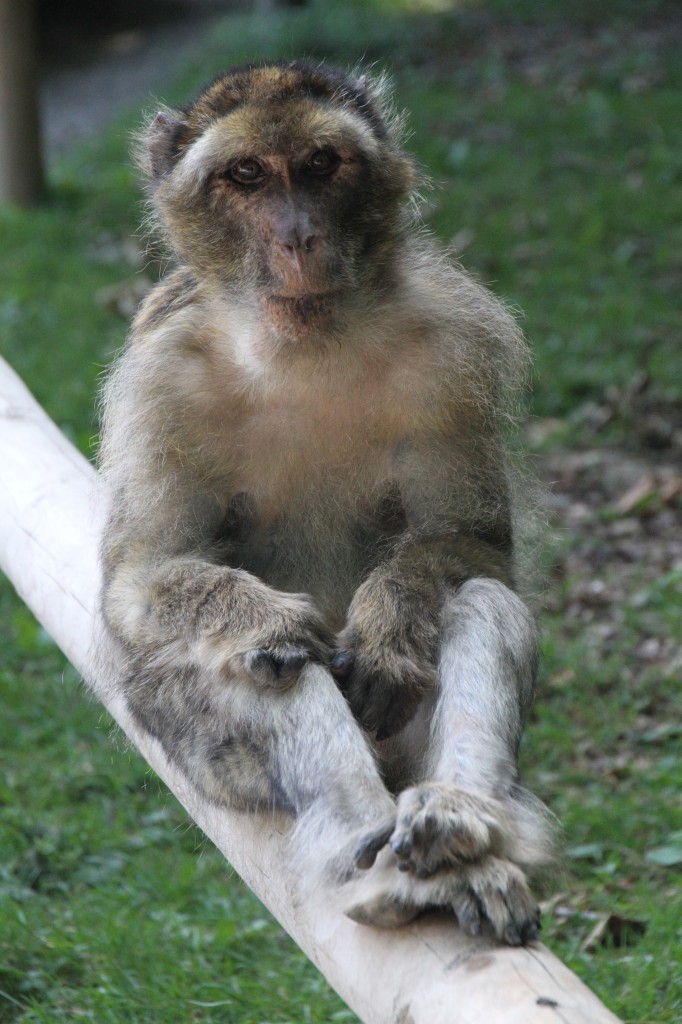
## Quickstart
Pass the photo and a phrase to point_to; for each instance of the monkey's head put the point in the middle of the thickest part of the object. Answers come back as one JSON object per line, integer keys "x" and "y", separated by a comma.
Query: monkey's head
{"x": 285, "y": 184}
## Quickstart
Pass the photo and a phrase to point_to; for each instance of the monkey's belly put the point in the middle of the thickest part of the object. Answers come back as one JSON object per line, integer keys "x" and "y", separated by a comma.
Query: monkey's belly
{"x": 327, "y": 567}
{"x": 327, "y": 559}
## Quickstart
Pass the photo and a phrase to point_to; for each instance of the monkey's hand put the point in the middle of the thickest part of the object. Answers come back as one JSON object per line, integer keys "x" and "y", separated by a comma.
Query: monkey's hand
{"x": 285, "y": 634}
{"x": 385, "y": 660}
{"x": 231, "y": 623}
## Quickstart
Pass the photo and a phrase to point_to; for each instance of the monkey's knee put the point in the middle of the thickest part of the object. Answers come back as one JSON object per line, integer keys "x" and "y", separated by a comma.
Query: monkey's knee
{"x": 496, "y": 627}
{"x": 494, "y": 604}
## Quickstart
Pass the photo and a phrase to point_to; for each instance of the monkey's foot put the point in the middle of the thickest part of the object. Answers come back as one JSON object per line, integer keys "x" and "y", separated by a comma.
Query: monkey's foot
{"x": 437, "y": 826}
{"x": 490, "y": 895}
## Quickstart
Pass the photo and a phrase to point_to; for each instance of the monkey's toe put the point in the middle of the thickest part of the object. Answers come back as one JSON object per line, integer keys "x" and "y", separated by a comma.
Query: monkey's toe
{"x": 384, "y": 910}
{"x": 491, "y": 896}
{"x": 495, "y": 894}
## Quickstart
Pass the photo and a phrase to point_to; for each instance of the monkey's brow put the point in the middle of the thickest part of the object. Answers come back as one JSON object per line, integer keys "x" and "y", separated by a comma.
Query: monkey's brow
{"x": 229, "y": 142}
{"x": 323, "y": 123}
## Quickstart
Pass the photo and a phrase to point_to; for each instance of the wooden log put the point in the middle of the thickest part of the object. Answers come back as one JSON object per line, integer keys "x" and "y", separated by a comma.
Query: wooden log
{"x": 425, "y": 973}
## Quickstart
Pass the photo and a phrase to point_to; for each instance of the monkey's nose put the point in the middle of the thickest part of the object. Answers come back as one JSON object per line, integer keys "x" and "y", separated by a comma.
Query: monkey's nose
{"x": 298, "y": 250}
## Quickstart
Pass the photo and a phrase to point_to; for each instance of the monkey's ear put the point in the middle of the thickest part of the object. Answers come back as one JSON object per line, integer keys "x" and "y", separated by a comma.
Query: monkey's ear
{"x": 161, "y": 144}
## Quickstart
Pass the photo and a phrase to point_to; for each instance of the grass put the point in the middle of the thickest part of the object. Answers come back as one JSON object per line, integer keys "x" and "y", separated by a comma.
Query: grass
{"x": 554, "y": 141}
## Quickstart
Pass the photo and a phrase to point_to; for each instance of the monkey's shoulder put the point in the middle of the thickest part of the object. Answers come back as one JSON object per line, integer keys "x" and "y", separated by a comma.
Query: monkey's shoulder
{"x": 466, "y": 320}
{"x": 177, "y": 291}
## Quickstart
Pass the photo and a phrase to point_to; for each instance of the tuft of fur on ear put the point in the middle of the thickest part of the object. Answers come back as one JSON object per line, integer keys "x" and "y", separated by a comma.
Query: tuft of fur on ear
{"x": 157, "y": 145}
{"x": 373, "y": 95}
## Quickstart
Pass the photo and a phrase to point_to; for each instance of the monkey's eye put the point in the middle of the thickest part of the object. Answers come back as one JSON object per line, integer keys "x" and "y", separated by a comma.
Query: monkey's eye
{"x": 246, "y": 172}
{"x": 322, "y": 163}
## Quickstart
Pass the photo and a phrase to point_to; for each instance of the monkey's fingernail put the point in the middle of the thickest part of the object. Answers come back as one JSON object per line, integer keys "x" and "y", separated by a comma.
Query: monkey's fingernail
{"x": 531, "y": 933}
{"x": 258, "y": 659}
{"x": 470, "y": 923}
{"x": 401, "y": 847}
{"x": 342, "y": 664}
{"x": 511, "y": 935}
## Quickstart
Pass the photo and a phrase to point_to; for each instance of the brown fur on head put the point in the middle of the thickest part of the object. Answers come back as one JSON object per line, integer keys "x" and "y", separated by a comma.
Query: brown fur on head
{"x": 284, "y": 184}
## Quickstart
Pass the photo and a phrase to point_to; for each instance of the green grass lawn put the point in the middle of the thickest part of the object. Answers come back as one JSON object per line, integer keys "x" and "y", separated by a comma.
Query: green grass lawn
{"x": 555, "y": 148}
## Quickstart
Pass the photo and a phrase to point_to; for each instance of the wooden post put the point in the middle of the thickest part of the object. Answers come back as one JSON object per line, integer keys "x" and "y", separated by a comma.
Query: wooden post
{"x": 425, "y": 973}
{"x": 21, "y": 167}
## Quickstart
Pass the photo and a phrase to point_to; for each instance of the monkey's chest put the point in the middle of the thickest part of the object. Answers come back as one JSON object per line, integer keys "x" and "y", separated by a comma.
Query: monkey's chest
{"x": 324, "y": 459}
{"x": 312, "y": 510}
{"x": 316, "y": 545}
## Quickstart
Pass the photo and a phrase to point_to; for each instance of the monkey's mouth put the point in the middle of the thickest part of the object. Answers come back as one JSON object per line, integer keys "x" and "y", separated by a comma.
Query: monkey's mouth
{"x": 309, "y": 306}
{"x": 303, "y": 296}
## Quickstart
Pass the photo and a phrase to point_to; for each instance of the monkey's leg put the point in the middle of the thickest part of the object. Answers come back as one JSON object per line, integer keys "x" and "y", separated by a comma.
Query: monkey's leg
{"x": 293, "y": 747}
{"x": 462, "y": 836}
{"x": 486, "y": 674}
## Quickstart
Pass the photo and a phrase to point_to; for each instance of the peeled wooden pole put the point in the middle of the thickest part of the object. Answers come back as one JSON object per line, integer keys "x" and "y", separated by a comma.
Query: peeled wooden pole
{"x": 425, "y": 973}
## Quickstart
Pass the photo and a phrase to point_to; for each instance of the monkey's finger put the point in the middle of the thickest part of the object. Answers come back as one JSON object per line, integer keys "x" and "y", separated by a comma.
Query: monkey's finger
{"x": 342, "y": 664}
{"x": 275, "y": 667}
{"x": 369, "y": 845}
{"x": 355, "y": 689}
{"x": 362, "y": 706}
{"x": 260, "y": 666}
{"x": 498, "y": 914}
{"x": 525, "y": 924}
{"x": 468, "y": 911}
{"x": 288, "y": 663}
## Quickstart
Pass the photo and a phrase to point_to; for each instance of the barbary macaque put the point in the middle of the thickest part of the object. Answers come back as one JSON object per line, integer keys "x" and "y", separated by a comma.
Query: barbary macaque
{"x": 309, "y": 562}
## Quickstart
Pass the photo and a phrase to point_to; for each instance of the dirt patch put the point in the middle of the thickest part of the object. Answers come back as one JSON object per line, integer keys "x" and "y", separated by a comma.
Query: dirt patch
{"x": 99, "y": 64}
{"x": 617, "y": 521}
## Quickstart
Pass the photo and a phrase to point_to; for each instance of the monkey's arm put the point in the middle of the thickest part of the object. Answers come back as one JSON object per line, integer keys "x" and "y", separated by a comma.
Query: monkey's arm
{"x": 172, "y": 594}
{"x": 458, "y": 528}
{"x": 186, "y": 609}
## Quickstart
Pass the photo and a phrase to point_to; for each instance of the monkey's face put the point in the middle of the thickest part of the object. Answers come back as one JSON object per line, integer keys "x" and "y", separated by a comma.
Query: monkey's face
{"x": 294, "y": 202}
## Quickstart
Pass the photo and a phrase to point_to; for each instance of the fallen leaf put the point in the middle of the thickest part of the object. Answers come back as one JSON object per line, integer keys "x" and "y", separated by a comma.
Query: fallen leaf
{"x": 613, "y": 930}
{"x": 668, "y": 855}
{"x": 586, "y": 851}
{"x": 671, "y": 489}
{"x": 636, "y": 496}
